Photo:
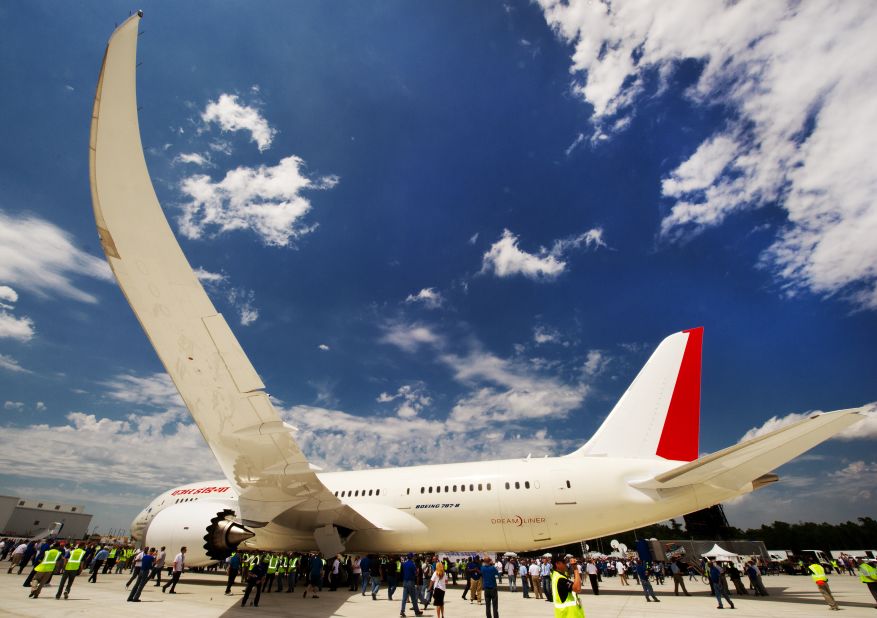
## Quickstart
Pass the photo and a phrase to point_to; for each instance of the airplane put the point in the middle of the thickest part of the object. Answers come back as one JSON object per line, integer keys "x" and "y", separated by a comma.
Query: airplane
{"x": 640, "y": 467}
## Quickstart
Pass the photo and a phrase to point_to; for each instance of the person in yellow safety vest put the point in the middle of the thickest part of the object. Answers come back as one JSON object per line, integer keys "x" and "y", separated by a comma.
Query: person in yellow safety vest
{"x": 272, "y": 573}
{"x": 45, "y": 569}
{"x": 868, "y": 576}
{"x": 111, "y": 560}
{"x": 565, "y": 593}
{"x": 281, "y": 572}
{"x": 72, "y": 568}
{"x": 817, "y": 572}
{"x": 291, "y": 573}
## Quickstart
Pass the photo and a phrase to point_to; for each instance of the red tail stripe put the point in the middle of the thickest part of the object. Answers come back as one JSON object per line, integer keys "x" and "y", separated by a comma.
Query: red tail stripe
{"x": 680, "y": 436}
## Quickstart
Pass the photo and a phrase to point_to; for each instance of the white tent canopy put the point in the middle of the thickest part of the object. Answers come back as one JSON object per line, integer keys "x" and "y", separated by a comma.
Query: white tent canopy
{"x": 718, "y": 553}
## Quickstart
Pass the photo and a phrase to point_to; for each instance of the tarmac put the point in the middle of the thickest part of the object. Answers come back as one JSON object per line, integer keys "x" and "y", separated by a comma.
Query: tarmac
{"x": 200, "y": 594}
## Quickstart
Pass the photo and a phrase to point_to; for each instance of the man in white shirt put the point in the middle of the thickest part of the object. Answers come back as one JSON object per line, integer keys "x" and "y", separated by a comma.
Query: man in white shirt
{"x": 158, "y": 566}
{"x": 622, "y": 572}
{"x": 536, "y": 578}
{"x": 591, "y": 570}
{"x": 179, "y": 565}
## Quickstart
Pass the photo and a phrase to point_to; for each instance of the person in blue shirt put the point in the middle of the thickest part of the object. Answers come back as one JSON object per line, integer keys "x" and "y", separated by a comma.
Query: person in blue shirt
{"x": 365, "y": 566}
{"x": 409, "y": 589}
{"x": 643, "y": 576}
{"x": 99, "y": 559}
{"x": 234, "y": 567}
{"x": 719, "y": 586}
{"x": 146, "y": 562}
{"x": 488, "y": 585}
{"x": 255, "y": 579}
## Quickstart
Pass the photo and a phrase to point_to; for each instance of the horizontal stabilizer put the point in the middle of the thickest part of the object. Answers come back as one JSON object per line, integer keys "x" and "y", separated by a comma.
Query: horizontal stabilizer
{"x": 736, "y": 466}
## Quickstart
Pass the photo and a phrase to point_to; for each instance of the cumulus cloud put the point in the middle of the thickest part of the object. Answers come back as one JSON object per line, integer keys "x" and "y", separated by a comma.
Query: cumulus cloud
{"x": 325, "y": 435}
{"x": 409, "y": 337}
{"x": 797, "y": 79}
{"x": 866, "y": 428}
{"x": 11, "y": 327}
{"x": 40, "y": 257}
{"x": 194, "y": 158}
{"x": 506, "y": 391}
{"x": 115, "y": 450}
{"x": 15, "y": 406}
{"x": 544, "y": 334}
{"x": 324, "y": 347}
{"x": 266, "y": 200}
{"x": 231, "y": 115}
{"x": 8, "y": 297}
{"x": 209, "y": 278}
{"x": 505, "y": 258}
{"x": 411, "y": 399}
{"x": 428, "y": 297}
{"x": 40, "y": 406}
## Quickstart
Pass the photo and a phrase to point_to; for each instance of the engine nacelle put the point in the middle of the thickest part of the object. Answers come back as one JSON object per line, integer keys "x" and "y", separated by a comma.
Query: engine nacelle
{"x": 207, "y": 529}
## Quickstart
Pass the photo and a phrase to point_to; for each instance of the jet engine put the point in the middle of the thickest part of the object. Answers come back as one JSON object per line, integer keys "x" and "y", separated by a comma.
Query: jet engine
{"x": 207, "y": 529}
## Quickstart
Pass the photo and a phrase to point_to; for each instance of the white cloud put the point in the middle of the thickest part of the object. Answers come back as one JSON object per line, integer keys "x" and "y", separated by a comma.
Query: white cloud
{"x": 209, "y": 278}
{"x": 409, "y": 337}
{"x": 13, "y": 405}
{"x": 505, "y": 258}
{"x": 233, "y": 116}
{"x": 324, "y": 347}
{"x": 412, "y": 399}
{"x": 543, "y": 334}
{"x": 40, "y": 257}
{"x": 158, "y": 450}
{"x": 40, "y": 406}
{"x": 325, "y": 435}
{"x": 595, "y": 363}
{"x": 428, "y": 297}
{"x": 266, "y": 200}
{"x": 155, "y": 390}
{"x": 8, "y": 297}
{"x": 194, "y": 158}
{"x": 244, "y": 302}
{"x": 797, "y": 78}
{"x": 10, "y": 364}
{"x": 11, "y": 327}
{"x": 473, "y": 239}
{"x": 866, "y": 429}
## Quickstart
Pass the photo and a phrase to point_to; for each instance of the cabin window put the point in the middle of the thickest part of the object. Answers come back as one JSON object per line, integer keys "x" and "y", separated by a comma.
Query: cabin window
{"x": 507, "y": 486}
{"x": 336, "y": 494}
{"x": 446, "y": 489}
{"x": 377, "y": 492}
{"x": 462, "y": 488}
{"x": 517, "y": 485}
{"x": 430, "y": 490}
{"x": 488, "y": 487}
{"x": 471, "y": 487}
{"x": 568, "y": 486}
{"x": 356, "y": 493}
{"x": 455, "y": 489}
{"x": 526, "y": 484}
{"x": 422, "y": 490}
{"x": 479, "y": 487}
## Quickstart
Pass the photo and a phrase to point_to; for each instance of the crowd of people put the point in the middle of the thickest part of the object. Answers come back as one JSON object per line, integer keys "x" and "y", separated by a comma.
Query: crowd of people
{"x": 419, "y": 580}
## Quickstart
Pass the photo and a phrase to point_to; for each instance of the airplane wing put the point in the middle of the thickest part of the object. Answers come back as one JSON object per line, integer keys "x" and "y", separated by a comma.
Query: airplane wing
{"x": 751, "y": 461}
{"x": 216, "y": 380}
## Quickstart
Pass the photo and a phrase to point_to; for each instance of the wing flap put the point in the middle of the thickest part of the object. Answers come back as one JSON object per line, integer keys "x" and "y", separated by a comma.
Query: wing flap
{"x": 736, "y": 466}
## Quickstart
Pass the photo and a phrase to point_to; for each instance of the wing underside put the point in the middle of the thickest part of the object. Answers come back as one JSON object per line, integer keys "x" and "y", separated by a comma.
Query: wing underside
{"x": 216, "y": 380}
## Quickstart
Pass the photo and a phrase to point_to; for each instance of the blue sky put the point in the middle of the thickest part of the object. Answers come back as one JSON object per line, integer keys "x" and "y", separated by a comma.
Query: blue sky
{"x": 449, "y": 231}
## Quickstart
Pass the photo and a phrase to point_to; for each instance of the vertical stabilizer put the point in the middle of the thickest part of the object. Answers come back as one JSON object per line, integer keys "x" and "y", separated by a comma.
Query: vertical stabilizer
{"x": 659, "y": 414}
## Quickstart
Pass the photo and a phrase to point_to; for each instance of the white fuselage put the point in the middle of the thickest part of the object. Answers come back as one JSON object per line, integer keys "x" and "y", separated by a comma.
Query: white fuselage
{"x": 520, "y": 504}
